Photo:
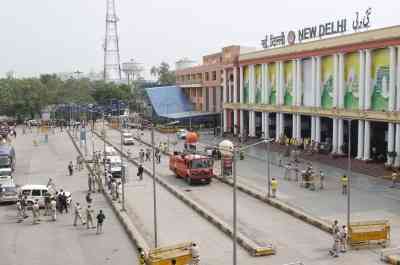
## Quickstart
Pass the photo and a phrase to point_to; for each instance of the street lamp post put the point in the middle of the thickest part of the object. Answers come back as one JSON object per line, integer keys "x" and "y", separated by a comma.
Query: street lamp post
{"x": 234, "y": 208}
{"x": 154, "y": 187}
{"x": 122, "y": 169}
{"x": 348, "y": 172}
{"x": 268, "y": 171}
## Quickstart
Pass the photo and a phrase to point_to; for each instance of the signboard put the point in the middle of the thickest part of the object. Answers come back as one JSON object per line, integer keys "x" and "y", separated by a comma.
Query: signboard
{"x": 318, "y": 31}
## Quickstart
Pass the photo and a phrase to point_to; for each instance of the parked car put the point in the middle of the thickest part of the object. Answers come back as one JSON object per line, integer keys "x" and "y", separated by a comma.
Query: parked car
{"x": 181, "y": 133}
{"x": 8, "y": 193}
{"x": 127, "y": 139}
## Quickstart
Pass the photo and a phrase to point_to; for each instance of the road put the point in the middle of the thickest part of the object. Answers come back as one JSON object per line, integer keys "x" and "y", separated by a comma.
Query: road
{"x": 294, "y": 239}
{"x": 58, "y": 243}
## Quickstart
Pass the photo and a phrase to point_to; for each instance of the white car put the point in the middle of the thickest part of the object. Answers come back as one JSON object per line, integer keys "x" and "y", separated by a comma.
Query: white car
{"x": 39, "y": 192}
{"x": 115, "y": 166}
{"x": 8, "y": 193}
{"x": 127, "y": 139}
{"x": 181, "y": 134}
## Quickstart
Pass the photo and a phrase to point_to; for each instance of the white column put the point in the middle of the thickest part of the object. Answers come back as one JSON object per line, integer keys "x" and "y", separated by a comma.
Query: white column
{"x": 262, "y": 83}
{"x": 225, "y": 87}
{"x": 281, "y": 83}
{"x": 225, "y": 120}
{"x": 398, "y": 82}
{"x": 367, "y": 140}
{"x": 318, "y": 129}
{"x": 360, "y": 139}
{"x": 367, "y": 94}
{"x": 361, "y": 83}
{"x": 294, "y": 82}
{"x": 252, "y": 84}
{"x": 397, "y": 146}
{"x": 252, "y": 121}
{"x": 281, "y": 124}
{"x": 392, "y": 79}
{"x": 235, "y": 81}
{"x": 277, "y": 132}
{"x": 298, "y": 136}
{"x": 266, "y": 125}
{"x": 299, "y": 82}
{"x": 241, "y": 123}
{"x": 277, "y": 75}
{"x": 267, "y": 85}
{"x": 340, "y": 136}
{"x": 262, "y": 122}
{"x": 313, "y": 84}
{"x": 390, "y": 142}
{"x": 335, "y": 136}
{"x": 204, "y": 106}
{"x": 341, "y": 84}
{"x": 241, "y": 90}
{"x": 294, "y": 125}
{"x": 335, "y": 80}
{"x": 313, "y": 128}
{"x": 235, "y": 121}
{"x": 318, "y": 82}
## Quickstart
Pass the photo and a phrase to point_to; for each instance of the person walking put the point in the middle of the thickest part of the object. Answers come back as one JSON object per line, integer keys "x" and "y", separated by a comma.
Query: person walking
{"x": 148, "y": 155}
{"x": 343, "y": 239}
{"x": 274, "y": 187}
{"x": 47, "y": 202}
{"x": 78, "y": 215}
{"x": 23, "y": 206}
{"x": 70, "y": 168}
{"x": 20, "y": 215}
{"x": 394, "y": 179}
{"x": 53, "y": 205}
{"x": 344, "y": 180}
{"x": 88, "y": 198}
{"x": 100, "y": 219}
{"x": 141, "y": 156}
{"x": 35, "y": 212}
{"x": 89, "y": 217}
{"x": 321, "y": 179}
{"x": 114, "y": 190}
{"x": 63, "y": 202}
{"x": 90, "y": 182}
{"x": 140, "y": 172}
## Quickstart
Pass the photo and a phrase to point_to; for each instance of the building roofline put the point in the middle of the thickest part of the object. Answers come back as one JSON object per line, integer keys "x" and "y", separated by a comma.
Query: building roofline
{"x": 343, "y": 43}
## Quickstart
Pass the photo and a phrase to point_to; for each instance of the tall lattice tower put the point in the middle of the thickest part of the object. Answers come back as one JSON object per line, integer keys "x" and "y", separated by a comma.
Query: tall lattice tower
{"x": 112, "y": 68}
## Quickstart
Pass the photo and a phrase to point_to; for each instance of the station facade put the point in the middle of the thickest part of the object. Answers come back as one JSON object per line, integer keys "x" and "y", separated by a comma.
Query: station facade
{"x": 321, "y": 90}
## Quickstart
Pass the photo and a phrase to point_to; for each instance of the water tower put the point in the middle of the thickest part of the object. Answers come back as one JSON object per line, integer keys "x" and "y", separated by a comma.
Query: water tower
{"x": 131, "y": 69}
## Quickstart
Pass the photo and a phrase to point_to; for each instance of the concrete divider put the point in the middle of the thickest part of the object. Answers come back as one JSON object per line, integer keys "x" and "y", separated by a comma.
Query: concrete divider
{"x": 324, "y": 226}
{"x": 253, "y": 248}
{"x": 133, "y": 233}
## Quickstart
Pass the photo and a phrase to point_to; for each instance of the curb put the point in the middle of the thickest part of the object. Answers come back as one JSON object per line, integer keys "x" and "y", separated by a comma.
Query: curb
{"x": 324, "y": 226}
{"x": 318, "y": 223}
{"x": 245, "y": 242}
{"x": 133, "y": 233}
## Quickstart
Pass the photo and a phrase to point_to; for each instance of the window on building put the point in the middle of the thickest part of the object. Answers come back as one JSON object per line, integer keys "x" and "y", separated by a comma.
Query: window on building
{"x": 207, "y": 76}
{"x": 214, "y": 75}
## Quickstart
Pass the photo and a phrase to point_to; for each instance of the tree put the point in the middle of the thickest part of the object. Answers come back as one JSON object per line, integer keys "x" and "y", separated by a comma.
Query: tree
{"x": 164, "y": 75}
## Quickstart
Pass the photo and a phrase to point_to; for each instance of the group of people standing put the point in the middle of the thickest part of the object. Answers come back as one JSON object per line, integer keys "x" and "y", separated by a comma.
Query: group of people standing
{"x": 339, "y": 239}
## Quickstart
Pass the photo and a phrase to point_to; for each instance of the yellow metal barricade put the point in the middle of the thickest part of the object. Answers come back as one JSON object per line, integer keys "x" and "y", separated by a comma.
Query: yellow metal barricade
{"x": 181, "y": 253}
{"x": 367, "y": 232}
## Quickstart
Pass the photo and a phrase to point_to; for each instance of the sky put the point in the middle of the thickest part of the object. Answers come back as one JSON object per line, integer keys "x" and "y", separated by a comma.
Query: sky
{"x": 53, "y": 36}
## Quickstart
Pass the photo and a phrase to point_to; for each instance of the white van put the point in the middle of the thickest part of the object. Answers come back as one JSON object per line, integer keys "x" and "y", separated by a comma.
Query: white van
{"x": 115, "y": 166}
{"x": 33, "y": 192}
{"x": 108, "y": 152}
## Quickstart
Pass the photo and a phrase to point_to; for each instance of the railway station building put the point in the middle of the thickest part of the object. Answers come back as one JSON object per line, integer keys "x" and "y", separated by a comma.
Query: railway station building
{"x": 317, "y": 89}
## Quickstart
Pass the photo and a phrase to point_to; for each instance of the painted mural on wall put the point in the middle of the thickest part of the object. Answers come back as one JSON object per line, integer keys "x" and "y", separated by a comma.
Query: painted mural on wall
{"x": 351, "y": 79}
{"x": 258, "y": 84}
{"x": 272, "y": 83}
{"x": 327, "y": 82}
{"x": 307, "y": 96}
{"x": 246, "y": 83}
{"x": 380, "y": 79}
{"x": 288, "y": 87}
